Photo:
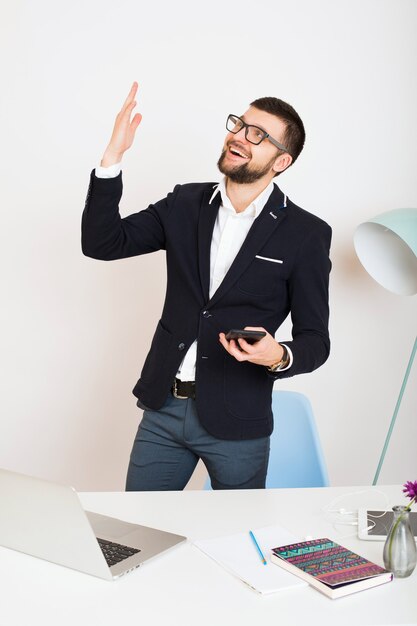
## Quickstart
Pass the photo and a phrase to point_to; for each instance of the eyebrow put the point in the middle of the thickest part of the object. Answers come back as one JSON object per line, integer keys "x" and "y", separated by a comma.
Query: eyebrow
{"x": 256, "y": 125}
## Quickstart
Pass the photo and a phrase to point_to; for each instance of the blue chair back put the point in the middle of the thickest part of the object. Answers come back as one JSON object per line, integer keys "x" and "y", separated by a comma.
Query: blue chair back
{"x": 296, "y": 458}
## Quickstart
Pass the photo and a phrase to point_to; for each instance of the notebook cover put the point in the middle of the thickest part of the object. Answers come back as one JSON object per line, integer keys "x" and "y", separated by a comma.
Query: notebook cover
{"x": 328, "y": 561}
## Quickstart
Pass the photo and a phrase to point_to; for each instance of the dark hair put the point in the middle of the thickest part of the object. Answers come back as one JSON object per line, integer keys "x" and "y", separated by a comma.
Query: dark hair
{"x": 294, "y": 136}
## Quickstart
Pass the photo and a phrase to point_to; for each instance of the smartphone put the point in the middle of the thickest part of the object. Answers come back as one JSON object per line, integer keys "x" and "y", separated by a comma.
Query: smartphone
{"x": 375, "y": 525}
{"x": 251, "y": 336}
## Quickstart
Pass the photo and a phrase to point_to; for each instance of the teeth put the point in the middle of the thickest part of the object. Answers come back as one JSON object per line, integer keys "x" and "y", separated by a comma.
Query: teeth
{"x": 239, "y": 153}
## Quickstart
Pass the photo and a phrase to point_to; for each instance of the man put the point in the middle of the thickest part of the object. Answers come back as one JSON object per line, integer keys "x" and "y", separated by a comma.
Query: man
{"x": 239, "y": 255}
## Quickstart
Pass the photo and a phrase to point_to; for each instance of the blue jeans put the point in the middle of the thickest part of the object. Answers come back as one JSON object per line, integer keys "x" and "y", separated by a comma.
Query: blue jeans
{"x": 170, "y": 441}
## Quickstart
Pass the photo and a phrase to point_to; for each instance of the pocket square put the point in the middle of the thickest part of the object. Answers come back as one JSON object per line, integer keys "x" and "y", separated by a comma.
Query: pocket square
{"x": 265, "y": 258}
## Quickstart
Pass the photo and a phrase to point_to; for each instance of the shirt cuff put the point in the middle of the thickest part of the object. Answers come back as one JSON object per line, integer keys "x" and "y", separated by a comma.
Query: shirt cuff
{"x": 108, "y": 172}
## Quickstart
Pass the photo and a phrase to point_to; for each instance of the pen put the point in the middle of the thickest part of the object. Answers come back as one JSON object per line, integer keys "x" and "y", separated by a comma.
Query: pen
{"x": 252, "y": 536}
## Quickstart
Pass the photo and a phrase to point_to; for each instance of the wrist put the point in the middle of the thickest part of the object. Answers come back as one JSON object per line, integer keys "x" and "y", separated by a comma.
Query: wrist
{"x": 111, "y": 158}
{"x": 281, "y": 362}
{"x": 279, "y": 354}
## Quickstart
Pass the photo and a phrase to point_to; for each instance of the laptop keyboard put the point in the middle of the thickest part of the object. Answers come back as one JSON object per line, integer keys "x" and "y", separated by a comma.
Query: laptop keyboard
{"x": 115, "y": 552}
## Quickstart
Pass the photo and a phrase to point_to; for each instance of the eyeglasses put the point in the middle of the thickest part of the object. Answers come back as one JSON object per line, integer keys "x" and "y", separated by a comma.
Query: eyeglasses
{"x": 253, "y": 134}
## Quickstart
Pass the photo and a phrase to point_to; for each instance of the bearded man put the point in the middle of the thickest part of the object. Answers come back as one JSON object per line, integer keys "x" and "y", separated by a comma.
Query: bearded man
{"x": 240, "y": 255}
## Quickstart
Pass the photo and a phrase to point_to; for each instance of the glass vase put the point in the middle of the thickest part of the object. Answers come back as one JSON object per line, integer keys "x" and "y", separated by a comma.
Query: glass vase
{"x": 400, "y": 553}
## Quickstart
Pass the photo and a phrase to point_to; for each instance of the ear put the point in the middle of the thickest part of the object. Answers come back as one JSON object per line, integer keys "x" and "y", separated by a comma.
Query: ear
{"x": 282, "y": 162}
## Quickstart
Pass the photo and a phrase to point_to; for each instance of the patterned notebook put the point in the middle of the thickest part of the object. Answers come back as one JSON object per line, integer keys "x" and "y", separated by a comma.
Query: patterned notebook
{"x": 330, "y": 567}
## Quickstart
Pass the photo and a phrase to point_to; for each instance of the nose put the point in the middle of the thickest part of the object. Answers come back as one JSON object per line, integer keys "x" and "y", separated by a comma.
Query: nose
{"x": 240, "y": 135}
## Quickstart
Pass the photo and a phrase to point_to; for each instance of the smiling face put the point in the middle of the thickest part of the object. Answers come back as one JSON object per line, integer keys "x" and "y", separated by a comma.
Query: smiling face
{"x": 244, "y": 162}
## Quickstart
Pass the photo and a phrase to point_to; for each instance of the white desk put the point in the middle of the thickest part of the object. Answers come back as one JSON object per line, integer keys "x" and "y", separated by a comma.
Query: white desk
{"x": 184, "y": 586}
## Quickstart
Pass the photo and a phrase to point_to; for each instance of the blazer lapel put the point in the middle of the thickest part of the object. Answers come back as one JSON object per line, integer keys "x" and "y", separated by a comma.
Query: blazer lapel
{"x": 207, "y": 219}
{"x": 261, "y": 230}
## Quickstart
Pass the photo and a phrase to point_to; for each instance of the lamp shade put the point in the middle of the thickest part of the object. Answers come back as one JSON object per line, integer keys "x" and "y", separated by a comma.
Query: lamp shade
{"x": 386, "y": 246}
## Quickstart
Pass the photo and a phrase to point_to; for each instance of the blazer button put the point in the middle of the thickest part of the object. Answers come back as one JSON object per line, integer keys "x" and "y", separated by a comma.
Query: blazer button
{"x": 206, "y": 314}
{"x": 181, "y": 346}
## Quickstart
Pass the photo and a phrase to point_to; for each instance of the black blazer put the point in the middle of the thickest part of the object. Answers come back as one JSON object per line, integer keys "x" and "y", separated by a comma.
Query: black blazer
{"x": 233, "y": 399}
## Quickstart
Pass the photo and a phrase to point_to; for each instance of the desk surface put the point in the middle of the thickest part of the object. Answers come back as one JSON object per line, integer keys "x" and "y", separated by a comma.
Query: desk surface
{"x": 185, "y": 587}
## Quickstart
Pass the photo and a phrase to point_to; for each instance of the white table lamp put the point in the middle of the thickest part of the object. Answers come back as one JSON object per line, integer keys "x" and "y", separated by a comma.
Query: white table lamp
{"x": 387, "y": 248}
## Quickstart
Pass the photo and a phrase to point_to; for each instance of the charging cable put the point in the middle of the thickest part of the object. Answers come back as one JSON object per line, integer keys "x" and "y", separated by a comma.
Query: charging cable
{"x": 349, "y": 517}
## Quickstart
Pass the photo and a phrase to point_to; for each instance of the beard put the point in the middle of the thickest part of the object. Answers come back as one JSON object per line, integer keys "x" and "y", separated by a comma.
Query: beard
{"x": 243, "y": 174}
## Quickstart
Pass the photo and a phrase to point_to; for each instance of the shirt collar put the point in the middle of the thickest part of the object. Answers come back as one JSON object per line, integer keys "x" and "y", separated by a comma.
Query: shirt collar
{"x": 256, "y": 205}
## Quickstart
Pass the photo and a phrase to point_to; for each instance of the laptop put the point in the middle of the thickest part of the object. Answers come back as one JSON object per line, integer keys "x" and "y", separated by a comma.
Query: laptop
{"x": 47, "y": 520}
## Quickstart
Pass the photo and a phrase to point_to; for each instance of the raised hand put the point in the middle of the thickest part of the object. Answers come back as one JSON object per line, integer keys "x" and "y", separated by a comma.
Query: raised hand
{"x": 124, "y": 130}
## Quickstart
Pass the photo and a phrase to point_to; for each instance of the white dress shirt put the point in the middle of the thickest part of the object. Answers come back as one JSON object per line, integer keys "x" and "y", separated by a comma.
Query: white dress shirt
{"x": 229, "y": 233}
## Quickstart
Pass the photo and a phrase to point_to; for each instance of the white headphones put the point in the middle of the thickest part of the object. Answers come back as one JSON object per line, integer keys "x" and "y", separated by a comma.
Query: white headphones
{"x": 341, "y": 513}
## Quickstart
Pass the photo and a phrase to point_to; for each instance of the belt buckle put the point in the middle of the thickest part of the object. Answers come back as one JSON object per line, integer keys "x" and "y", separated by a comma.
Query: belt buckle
{"x": 175, "y": 391}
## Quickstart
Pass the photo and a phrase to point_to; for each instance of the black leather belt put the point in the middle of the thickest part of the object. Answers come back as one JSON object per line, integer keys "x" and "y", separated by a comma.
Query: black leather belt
{"x": 183, "y": 389}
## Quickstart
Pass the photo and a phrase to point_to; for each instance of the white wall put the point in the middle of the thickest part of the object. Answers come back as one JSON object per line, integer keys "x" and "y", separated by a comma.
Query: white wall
{"x": 75, "y": 331}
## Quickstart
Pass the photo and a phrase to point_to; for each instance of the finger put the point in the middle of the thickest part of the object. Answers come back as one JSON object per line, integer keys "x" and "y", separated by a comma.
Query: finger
{"x": 131, "y": 95}
{"x": 247, "y": 347}
{"x": 135, "y": 122}
{"x": 223, "y": 341}
{"x": 226, "y": 344}
{"x": 231, "y": 348}
{"x": 236, "y": 352}
{"x": 255, "y": 328}
{"x": 124, "y": 115}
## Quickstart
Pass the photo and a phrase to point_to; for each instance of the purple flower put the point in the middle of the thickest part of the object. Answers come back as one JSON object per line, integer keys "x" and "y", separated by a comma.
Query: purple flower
{"x": 410, "y": 490}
